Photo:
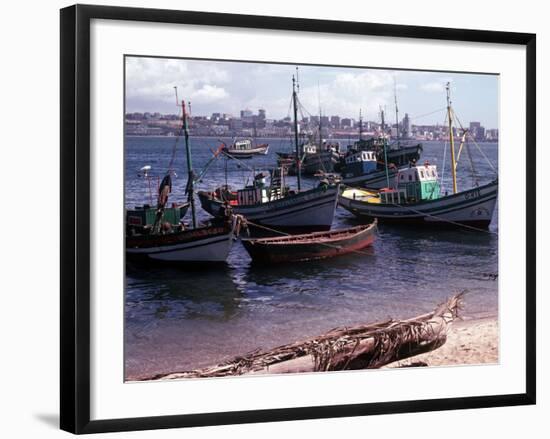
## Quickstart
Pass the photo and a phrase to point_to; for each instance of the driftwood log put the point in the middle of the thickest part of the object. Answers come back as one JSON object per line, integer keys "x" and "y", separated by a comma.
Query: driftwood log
{"x": 349, "y": 348}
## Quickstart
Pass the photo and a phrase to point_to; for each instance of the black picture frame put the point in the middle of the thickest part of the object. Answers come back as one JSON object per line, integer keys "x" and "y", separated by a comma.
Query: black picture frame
{"x": 75, "y": 217}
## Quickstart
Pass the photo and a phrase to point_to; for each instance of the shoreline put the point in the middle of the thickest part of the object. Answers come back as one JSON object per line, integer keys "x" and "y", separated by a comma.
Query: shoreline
{"x": 473, "y": 341}
{"x": 469, "y": 342}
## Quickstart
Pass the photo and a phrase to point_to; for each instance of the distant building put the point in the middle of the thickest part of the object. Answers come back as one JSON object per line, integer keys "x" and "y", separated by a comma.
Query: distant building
{"x": 246, "y": 113}
{"x": 477, "y": 131}
{"x": 347, "y": 123}
{"x": 236, "y": 124}
{"x": 491, "y": 134}
{"x": 335, "y": 121}
{"x": 406, "y": 127}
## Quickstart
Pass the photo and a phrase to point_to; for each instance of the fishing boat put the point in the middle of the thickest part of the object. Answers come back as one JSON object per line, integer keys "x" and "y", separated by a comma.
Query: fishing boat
{"x": 167, "y": 242}
{"x": 362, "y": 170}
{"x": 244, "y": 149}
{"x": 276, "y": 206}
{"x": 312, "y": 155}
{"x": 416, "y": 198}
{"x": 364, "y": 164}
{"x": 311, "y": 246}
{"x": 313, "y": 158}
{"x": 397, "y": 153}
{"x": 145, "y": 214}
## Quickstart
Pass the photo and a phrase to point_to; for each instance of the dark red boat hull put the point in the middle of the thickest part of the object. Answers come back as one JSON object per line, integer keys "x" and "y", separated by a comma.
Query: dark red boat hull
{"x": 310, "y": 247}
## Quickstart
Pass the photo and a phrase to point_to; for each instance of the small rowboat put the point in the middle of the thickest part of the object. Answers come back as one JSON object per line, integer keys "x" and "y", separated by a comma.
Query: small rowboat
{"x": 311, "y": 246}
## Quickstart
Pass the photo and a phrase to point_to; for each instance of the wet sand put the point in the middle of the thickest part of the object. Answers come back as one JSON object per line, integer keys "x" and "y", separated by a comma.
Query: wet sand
{"x": 468, "y": 342}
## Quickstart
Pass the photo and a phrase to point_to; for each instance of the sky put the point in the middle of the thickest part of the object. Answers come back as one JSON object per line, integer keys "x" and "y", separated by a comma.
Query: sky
{"x": 229, "y": 87}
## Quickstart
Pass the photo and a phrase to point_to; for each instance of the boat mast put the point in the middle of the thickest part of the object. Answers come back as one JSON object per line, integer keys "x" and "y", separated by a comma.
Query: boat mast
{"x": 385, "y": 147}
{"x": 191, "y": 182}
{"x": 451, "y": 137}
{"x": 360, "y": 125}
{"x": 297, "y": 147}
{"x": 396, "y": 110}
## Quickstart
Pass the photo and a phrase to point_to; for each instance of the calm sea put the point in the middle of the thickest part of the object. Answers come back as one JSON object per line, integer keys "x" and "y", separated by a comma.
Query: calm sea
{"x": 179, "y": 320}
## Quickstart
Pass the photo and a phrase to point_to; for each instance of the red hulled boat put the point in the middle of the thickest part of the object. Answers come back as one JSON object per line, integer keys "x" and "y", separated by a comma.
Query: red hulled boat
{"x": 311, "y": 246}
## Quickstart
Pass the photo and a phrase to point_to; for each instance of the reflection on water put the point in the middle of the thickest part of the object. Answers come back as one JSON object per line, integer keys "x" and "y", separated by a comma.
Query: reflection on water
{"x": 179, "y": 320}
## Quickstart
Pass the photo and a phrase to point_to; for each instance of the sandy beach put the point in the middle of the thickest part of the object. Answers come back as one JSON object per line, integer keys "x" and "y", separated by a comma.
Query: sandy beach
{"x": 468, "y": 342}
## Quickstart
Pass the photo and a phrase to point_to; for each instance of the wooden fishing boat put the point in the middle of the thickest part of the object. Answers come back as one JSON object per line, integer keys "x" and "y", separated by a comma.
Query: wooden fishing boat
{"x": 145, "y": 215}
{"x": 244, "y": 149}
{"x": 473, "y": 207}
{"x": 362, "y": 170}
{"x": 310, "y": 246}
{"x": 165, "y": 241}
{"x": 313, "y": 158}
{"x": 415, "y": 196}
{"x": 364, "y": 164}
{"x": 177, "y": 244}
{"x": 275, "y": 206}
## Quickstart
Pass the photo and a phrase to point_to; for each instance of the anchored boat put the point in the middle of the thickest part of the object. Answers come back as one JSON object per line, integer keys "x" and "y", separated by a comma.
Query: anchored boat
{"x": 415, "y": 196}
{"x": 313, "y": 158}
{"x": 275, "y": 206}
{"x": 168, "y": 242}
{"x": 364, "y": 164}
{"x": 244, "y": 149}
{"x": 311, "y": 246}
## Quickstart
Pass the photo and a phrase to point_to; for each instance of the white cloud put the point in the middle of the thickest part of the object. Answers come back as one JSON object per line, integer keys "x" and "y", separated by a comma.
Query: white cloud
{"x": 154, "y": 79}
{"x": 209, "y": 93}
{"x": 437, "y": 86}
{"x": 349, "y": 92}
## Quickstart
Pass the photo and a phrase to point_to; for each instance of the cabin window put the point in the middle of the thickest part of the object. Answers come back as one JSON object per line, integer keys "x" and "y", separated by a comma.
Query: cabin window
{"x": 422, "y": 174}
{"x": 402, "y": 177}
{"x": 410, "y": 177}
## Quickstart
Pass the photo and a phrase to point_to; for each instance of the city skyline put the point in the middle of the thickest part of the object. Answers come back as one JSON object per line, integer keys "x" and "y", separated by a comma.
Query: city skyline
{"x": 230, "y": 87}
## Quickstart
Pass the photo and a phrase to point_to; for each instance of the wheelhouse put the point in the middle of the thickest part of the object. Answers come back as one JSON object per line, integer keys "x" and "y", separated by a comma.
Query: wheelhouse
{"x": 242, "y": 145}
{"x": 419, "y": 183}
{"x": 360, "y": 163}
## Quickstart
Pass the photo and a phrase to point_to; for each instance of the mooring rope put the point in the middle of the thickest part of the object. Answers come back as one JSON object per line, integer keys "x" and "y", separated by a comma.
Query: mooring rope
{"x": 489, "y": 276}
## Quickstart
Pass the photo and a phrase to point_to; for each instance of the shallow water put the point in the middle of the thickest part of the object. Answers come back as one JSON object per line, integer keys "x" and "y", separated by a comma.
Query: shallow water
{"x": 179, "y": 320}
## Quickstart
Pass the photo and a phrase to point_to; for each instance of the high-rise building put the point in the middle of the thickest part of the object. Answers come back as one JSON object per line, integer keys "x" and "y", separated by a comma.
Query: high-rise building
{"x": 477, "y": 131}
{"x": 406, "y": 127}
{"x": 335, "y": 121}
{"x": 347, "y": 123}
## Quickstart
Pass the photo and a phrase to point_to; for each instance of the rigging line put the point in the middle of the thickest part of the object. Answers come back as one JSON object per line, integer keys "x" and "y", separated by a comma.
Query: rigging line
{"x": 476, "y": 144}
{"x": 427, "y": 114}
{"x": 408, "y": 261}
{"x": 174, "y": 148}
{"x": 477, "y": 229}
{"x": 444, "y": 159}
{"x": 289, "y": 107}
{"x": 475, "y": 179}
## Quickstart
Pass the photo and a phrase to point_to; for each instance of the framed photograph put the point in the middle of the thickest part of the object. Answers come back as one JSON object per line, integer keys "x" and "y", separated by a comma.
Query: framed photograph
{"x": 274, "y": 218}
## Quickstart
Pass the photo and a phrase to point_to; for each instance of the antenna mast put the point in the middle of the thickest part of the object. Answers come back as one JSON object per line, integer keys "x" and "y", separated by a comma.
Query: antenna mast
{"x": 191, "y": 177}
{"x": 360, "y": 125}
{"x": 385, "y": 144}
{"x": 296, "y": 87}
{"x": 451, "y": 137}
{"x": 396, "y": 110}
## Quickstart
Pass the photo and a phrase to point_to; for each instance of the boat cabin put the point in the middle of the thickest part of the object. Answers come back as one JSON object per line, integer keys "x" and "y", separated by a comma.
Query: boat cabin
{"x": 418, "y": 183}
{"x": 260, "y": 191}
{"x": 242, "y": 145}
{"x": 309, "y": 148}
{"x": 360, "y": 163}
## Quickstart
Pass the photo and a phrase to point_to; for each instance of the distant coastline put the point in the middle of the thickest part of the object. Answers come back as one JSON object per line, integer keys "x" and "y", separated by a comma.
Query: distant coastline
{"x": 352, "y": 138}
